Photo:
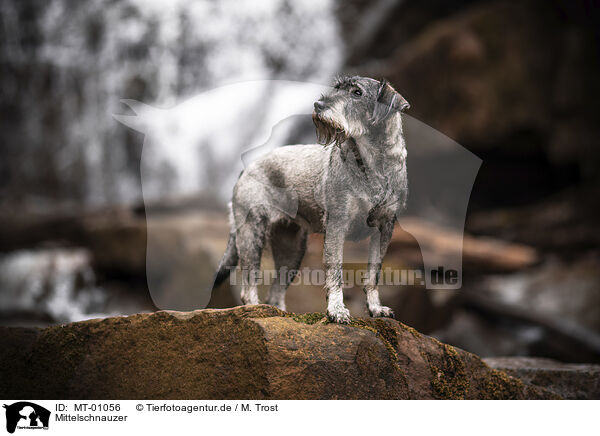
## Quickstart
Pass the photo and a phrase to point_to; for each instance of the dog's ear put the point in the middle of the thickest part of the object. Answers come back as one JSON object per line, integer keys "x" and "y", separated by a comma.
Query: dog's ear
{"x": 388, "y": 100}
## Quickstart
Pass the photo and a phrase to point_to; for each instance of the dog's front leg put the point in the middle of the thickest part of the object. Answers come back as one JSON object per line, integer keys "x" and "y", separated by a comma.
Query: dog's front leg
{"x": 378, "y": 245}
{"x": 333, "y": 254}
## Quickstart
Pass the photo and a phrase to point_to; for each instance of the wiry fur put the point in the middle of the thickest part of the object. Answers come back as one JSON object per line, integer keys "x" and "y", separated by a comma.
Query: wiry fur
{"x": 349, "y": 187}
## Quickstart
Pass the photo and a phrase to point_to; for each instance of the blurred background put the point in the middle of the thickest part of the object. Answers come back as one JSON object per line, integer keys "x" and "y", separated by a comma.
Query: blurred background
{"x": 516, "y": 83}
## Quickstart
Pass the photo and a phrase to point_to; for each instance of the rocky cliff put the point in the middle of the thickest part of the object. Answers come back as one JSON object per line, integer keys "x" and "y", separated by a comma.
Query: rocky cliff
{"x": 256, "y": 352}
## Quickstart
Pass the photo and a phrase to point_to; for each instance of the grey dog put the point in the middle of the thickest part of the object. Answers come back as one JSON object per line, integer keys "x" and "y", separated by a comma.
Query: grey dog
{"x": 350, "y": 187}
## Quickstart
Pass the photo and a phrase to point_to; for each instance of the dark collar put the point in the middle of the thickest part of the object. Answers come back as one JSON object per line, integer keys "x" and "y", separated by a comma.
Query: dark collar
{"x": 353, "y": 147}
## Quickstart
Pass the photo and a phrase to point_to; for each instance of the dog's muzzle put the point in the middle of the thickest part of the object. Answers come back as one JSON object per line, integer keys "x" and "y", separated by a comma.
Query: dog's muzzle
{"x": 319, "y": 106}
{"x": 328, "y": 132}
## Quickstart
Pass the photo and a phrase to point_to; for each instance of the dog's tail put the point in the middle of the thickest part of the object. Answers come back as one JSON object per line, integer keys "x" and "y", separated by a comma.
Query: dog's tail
{"x": 228, "y": 262}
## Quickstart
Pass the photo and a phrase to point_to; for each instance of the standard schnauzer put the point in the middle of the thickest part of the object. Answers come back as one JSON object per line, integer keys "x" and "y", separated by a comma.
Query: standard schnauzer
{"x": 350, "y": 187}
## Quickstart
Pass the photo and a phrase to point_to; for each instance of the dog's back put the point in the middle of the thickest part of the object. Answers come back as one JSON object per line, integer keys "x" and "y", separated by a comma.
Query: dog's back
{"x": 283, "y": 185}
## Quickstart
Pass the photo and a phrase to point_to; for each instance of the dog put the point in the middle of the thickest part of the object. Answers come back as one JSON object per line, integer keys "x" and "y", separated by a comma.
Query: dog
{"x": 349, "y": 186}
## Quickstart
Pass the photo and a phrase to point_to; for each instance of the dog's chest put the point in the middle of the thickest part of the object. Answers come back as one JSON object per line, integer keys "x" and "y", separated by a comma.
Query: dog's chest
{"x": 365, "y": 215}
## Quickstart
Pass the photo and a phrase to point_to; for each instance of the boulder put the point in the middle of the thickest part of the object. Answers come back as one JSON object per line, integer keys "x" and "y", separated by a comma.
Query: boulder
{"x": 565, "y": 222}
{"x": 250, "y": 352}
{"x": 570, "y": 381}
{"x": 513, "y": 82}
{"x": 500, "y": 68}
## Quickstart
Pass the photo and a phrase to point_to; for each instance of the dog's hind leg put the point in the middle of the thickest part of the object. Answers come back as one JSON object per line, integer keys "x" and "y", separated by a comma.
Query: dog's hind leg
{"x": 288, "y": 244}
{"x": 378, "y": 245}
{"x": 250, "y": 240}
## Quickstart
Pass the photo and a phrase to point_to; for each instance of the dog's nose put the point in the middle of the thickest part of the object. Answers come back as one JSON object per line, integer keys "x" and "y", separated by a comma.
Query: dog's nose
{"x": 319, "y": 105}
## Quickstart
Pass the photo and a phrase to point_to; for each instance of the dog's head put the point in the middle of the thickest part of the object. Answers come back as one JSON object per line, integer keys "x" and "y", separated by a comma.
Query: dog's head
{"x": 354, "y": 105}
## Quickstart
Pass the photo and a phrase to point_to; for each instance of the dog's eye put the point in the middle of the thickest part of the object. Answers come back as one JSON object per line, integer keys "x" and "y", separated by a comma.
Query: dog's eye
{"x": 357, "y": 92}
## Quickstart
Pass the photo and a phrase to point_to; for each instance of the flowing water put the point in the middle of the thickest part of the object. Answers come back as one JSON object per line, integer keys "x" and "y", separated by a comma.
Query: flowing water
{"x": 68, "y": 63}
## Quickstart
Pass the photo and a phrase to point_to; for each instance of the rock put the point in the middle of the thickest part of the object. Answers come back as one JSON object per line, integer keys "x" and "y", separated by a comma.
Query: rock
{"x": 117, "y": 243}
{"x": 478, "y": 64}
{"x": 570, "y": 381}
{"x": 28, "y": 230}
{"x": 373, "y": 30}
{"x": 515, "y": 83}
{"x": 250, "y": 352}
{"x": 489, "y": 327}
{"x": 171, "y": 251}
{"x": 483, "y": 83}
{"x": 562, "y": 290}
{"x": 565, "y": 222}
{"x": 551, "y": 310}
{"x": 481, "y": 254}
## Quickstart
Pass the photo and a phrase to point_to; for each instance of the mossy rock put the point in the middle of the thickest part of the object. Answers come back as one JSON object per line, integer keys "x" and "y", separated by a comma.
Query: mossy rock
{"x": 247, "y": 352}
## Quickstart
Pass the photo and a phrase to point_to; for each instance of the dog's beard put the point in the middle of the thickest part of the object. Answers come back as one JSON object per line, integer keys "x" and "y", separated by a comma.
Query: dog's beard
{"x": 328, "y": 131}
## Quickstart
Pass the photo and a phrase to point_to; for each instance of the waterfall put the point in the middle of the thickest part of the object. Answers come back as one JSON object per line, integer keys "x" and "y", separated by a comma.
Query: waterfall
{"x": 52, "y": 285}
{"x": 69, "y": 63}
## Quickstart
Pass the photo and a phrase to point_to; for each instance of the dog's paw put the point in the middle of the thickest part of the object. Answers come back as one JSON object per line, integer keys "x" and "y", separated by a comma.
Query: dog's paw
{"x": 382, "y": 311}
{"x": 250, "y": 301}
{"x": 340, "y": 315}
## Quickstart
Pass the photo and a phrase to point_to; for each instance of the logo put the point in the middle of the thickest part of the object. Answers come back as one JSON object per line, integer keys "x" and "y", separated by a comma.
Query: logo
{"x": 26, "y": 415}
